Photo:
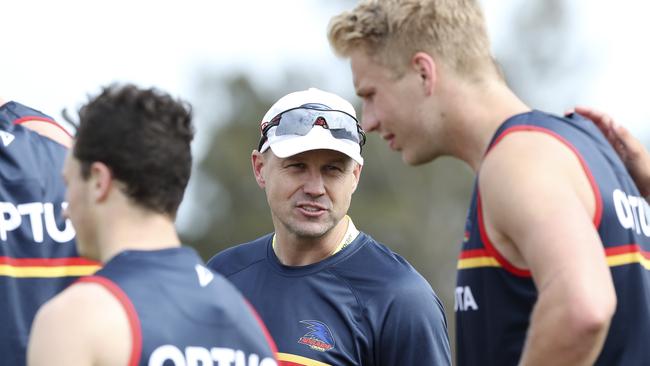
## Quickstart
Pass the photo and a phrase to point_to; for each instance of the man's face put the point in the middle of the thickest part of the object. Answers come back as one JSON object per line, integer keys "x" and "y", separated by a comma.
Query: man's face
{"x": 308, "y": 193}
{"x": 395, "y": 108}
{"x": 78, "y": 198}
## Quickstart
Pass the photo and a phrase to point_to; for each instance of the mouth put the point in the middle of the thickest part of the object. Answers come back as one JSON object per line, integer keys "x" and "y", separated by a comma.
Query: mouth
{"x": 390, "y": 139}
{"x": 311, "y": 209}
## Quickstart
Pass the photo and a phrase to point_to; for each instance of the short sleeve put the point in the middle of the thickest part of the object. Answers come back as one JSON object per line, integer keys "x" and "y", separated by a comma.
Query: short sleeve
{"x": 414, "y": 330}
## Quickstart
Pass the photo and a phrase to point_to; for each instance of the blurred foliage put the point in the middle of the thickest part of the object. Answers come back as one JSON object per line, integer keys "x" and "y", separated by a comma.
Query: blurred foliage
{"x": 417, "y": 212}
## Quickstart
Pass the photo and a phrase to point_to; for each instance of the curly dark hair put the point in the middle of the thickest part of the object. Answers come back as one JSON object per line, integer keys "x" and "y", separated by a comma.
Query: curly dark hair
{"x": 143, "y": 136}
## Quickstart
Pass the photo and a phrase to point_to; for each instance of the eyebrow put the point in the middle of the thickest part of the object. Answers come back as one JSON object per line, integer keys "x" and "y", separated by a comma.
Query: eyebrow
{"x": 341, "y": 160}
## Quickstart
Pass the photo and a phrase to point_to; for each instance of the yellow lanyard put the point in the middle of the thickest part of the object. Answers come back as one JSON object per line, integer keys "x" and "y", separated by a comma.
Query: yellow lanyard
{"x": 350, "y": 234}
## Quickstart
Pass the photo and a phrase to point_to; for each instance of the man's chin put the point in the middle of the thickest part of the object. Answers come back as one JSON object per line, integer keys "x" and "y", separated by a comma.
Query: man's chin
{"x": 414, "y": 159}
{"x": 310, "y": 230}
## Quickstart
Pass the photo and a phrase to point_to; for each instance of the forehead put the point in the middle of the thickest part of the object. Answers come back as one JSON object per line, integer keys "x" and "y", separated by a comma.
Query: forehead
{"x": 366, "y": 72}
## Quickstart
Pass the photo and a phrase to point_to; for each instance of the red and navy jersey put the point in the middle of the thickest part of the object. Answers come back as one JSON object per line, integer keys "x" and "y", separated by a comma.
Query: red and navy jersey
{"x": 181, "y": 313}
{"x": 38, "y": 257}
{"x": 365, "y": 305}
{"x": 495, "y": 299}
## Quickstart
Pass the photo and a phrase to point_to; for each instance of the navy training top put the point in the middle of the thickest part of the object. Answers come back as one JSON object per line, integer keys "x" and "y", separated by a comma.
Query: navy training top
{"x": 495, "y": 299}
{"x": 38, "y": 257}
{"x": 181, "y": 313}
{"x": 365, "y": 305}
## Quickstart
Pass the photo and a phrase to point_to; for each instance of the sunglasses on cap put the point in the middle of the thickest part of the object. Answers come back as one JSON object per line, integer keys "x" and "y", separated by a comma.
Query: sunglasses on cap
{"x": 300, "y": 120}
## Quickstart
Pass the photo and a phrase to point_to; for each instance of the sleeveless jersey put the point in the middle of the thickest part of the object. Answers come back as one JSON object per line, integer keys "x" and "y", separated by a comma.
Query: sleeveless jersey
{"x": 38, "y": 257}
{"x": 364, "y": 305}
{"x": 181, "y": 313}
{"x": 495, "y": 299}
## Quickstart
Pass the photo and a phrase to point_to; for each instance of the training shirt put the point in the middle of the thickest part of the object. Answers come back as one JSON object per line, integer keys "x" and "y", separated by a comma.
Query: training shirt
{"x": 38, "y": 257}
{"x": 364, "y": 305}
{"x": 181, "y": 313}
{"x": 495, "y": 299}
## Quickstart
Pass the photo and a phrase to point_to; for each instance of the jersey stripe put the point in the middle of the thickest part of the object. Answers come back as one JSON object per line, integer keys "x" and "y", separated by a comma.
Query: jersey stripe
{"x": 616, "y": 256}
{"x": 288, "y": 359}
{"x": 474, "y": 258}
{"x": 22, "y": 120}
{"x": 627, "y": 254}
{"x": 46, "y": 267}
{"x": 47, "y": 272}
{"x": 47, "y": 262}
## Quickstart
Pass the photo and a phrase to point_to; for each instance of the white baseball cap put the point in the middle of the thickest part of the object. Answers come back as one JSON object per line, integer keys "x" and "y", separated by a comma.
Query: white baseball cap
{"x": 318, "y": 137}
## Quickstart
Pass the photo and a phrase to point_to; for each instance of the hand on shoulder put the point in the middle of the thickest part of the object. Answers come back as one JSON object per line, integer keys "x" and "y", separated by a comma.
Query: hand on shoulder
{"x": 631, "y": 151}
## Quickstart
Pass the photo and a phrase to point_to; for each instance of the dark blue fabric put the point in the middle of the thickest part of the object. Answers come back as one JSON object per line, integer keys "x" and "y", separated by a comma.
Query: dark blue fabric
{"x": 30, "y": 175}
{"x": 174, "y": 309}
{"x": 494, "y": 332}
{"x": 364, "y": 305}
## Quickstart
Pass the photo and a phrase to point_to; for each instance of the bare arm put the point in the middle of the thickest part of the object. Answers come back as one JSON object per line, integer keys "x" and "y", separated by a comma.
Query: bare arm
{"x": 538, "y": 210}
{"x": 84, "y": 325}
{"x": 632, "y": 152}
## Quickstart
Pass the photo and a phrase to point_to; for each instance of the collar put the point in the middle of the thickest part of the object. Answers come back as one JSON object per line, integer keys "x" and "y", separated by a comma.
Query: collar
{"x": 350, "y": 234}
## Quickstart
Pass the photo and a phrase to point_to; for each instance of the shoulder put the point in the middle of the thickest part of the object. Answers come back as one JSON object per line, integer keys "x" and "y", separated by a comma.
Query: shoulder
{"x": 83, "y": 324}
{"x": 528, "y": 166}
{"x": 239, "y": 257}
{"x": 380, "y": 274}
{"x": 402, "y": 308}
{"x": 21, "y": 116}
{"x": 76, "y": 301}
{"x": 50, "y": 130}
{"x": 537, "y": 141}
{"x": 376, "y": 258}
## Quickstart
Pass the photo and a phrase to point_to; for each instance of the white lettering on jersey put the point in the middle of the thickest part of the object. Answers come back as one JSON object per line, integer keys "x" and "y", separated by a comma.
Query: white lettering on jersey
{"x": 464, "y": 300}
{"x": 6, "y": 138}
{"x": 632, "y": 212}
{"x": 216, "y": 356}
{"x": 204, "y": 274}
{"x": 41, "y": 219}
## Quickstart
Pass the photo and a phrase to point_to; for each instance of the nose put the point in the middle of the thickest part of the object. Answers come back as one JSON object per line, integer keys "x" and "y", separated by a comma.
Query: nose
{"x": 314, "y": 185}
{"x": 369, "y": 122}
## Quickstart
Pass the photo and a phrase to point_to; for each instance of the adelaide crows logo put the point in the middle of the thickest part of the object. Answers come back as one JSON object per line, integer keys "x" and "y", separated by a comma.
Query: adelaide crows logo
{"x": 319, "y": 336}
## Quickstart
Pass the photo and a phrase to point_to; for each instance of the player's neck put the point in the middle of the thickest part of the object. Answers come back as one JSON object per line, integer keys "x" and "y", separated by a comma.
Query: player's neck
{"x": 475, "y": 123}
{"x": 295, "y": 250}
{"x": 136, "y": 232}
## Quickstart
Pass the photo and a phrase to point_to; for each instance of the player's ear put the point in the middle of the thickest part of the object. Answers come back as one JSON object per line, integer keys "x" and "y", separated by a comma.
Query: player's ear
{"x": 357, "y": 175}
{"x": 101, "y": 178}
{"x": 257, "y": 160}
{"x": 425, "y": 66}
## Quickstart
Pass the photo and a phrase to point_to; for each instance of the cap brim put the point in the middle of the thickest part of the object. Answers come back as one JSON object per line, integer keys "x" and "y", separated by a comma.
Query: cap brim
{"x": 316, "y": 139}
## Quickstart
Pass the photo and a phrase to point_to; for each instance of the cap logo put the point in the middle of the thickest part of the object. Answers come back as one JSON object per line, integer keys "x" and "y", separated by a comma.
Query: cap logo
{"x": 320, "y": 121}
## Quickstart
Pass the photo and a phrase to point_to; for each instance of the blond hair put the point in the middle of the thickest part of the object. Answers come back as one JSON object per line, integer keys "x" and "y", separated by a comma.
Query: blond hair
{"x": 391, "y": 31}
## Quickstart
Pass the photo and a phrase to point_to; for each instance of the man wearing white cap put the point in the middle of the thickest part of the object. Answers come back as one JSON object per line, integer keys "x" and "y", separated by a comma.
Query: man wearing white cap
{"x": 328, "y": 293}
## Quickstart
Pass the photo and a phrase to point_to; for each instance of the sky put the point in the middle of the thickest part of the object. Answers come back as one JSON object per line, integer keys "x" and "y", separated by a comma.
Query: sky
{"x": 54, "y": 53}
{"x": 55, "y": 56}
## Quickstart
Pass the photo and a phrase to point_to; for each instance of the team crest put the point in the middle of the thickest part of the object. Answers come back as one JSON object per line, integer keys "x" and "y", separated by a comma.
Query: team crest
{"x": 319, "y": 337}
